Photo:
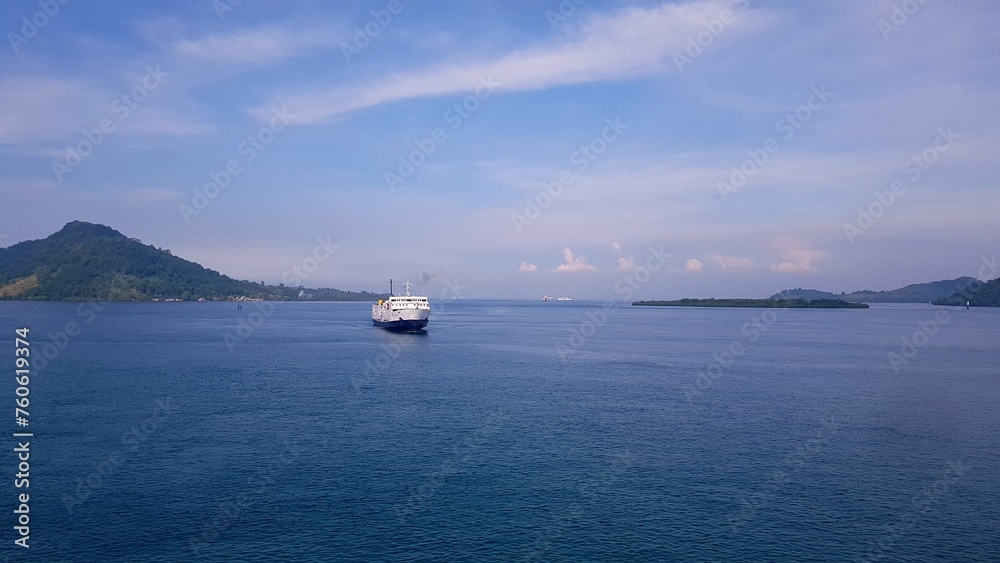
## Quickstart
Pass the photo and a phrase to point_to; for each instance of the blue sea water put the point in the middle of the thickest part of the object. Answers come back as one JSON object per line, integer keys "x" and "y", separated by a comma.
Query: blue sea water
{"x": 509, "y": 431}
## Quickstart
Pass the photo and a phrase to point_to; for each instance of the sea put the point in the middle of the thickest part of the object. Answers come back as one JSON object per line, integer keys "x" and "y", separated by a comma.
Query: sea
{"x": 508, "y": 431}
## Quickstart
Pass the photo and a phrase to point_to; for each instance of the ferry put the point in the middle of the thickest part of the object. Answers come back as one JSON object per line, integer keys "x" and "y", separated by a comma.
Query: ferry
{"x": 402, "y": 312}
{"x": 564, "y": 298}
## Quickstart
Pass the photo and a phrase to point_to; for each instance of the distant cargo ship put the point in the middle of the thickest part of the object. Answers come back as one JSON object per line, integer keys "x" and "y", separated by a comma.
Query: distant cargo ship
{"x": 564, "y": 298}
{"x": 402, "y": 312}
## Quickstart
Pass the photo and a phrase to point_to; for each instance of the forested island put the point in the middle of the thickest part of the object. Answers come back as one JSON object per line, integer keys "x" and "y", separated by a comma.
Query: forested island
{"x": 756, "y": 303}
{"x": 85, "y": 261}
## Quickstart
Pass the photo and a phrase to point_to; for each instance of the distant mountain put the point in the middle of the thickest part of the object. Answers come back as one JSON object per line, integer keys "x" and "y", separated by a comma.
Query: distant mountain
{"x": 986, "y": 295}
{"x": 913, "y": 293}
{"x": 756, "y": 303}
{"x": 84, "y": 261}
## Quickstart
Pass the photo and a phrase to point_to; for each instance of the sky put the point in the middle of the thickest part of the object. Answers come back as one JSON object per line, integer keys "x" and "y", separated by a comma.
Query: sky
{"x": 601, "y": 150}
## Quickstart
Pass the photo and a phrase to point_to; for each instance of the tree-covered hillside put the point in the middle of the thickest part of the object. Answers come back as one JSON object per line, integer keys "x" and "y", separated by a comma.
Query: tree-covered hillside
{"x": 976, "y": 294}
{"x": 913, "y": 293}
{"x": 756, "y": 303}
{"x": 84, "y": 261}
{"x": 799, "y": 293}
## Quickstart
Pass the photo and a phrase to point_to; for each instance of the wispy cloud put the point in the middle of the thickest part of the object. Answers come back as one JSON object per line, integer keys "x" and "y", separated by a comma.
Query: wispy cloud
{"x": 686, "y": 133}
{"x": 40, "y": 108}
{"x": 631, "y": 43}
{"x": 732, "y": 262}
{"x": 47, "y": 109}
{"x": 259, "y": 46}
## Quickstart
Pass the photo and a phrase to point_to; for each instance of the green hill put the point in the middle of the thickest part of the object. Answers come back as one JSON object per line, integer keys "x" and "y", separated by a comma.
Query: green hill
{"x": 913, "y": 293}
{"x": 84, "y": 261}
{"x": 799, "y": 293}
{"x": 756, "y": 303}
{"x": 986, "y": 295}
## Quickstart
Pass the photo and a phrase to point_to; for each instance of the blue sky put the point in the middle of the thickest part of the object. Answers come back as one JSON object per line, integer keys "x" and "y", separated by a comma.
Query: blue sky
{"x": 514, "y": 149}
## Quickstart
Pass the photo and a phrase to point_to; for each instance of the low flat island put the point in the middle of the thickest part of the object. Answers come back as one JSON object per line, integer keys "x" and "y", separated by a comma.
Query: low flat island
{"x": 757, "y": 303}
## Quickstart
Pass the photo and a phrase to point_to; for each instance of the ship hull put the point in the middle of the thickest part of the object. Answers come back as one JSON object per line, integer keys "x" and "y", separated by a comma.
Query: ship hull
{"x": 404, "y": 325}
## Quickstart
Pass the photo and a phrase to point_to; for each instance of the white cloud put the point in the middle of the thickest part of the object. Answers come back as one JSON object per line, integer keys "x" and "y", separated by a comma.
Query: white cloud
{"x": 616, "y": 247}
{"x": 34, "y": 109}
{"x": 626, "y": 264}
{"x": 795, "y": 268}
{"x": 693, "y": 265}
{"x": 797, "y": 256}
{"x": 574, "y": 263}
{"x": 632, "y": 42}
{"x": 259, "y": 46}
{"x": 732, "y": 262}
{"x": 526, "y": 267}
{"x": 38, "y": 109}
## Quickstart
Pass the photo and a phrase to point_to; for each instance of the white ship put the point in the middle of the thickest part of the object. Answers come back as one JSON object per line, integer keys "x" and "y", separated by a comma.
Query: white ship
{"x": 564, "y": 298}
{"x": 402, "y": 312}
